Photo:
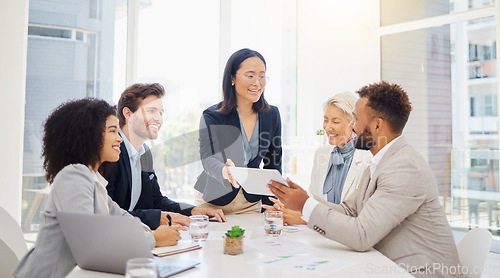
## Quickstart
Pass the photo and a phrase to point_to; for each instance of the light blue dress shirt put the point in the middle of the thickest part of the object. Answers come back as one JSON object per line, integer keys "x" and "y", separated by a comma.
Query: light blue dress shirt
{"x": 251, "y": 148}
{"x": 135, "y": 168}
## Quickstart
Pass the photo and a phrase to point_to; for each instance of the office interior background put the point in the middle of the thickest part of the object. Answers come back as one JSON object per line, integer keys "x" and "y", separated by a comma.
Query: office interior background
{"x": 443, "y": 52}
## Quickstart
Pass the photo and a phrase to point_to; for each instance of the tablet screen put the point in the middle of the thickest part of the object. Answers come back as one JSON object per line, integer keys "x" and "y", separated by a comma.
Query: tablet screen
{"x": 255, "y": 180}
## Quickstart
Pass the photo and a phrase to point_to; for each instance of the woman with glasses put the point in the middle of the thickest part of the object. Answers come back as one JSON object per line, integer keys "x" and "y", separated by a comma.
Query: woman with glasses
{"x": 79, "y": 137}
{"x": 243, "y": 130}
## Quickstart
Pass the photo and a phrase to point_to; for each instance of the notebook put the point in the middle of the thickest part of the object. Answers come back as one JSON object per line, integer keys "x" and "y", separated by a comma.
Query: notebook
{"x": 105, "y": 243}
{"x": 181, "y": 247}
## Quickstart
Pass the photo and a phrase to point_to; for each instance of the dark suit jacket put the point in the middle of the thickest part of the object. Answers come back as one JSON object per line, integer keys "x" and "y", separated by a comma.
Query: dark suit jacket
{"x": 151, "y": 202}
{"x": 220, "y": 139}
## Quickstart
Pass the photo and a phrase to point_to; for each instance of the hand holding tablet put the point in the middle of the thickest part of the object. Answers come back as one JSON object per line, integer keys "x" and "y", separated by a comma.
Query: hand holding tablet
{"x": 255, "y": 180}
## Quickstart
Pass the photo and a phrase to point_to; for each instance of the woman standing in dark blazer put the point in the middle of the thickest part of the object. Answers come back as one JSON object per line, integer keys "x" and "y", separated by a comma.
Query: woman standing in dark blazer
{"x": 243, "y": 130}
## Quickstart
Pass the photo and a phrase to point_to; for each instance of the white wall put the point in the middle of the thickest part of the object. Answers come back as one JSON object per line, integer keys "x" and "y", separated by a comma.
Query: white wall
{"x": 14, "y": 20}
{"x": 337, "y": 51}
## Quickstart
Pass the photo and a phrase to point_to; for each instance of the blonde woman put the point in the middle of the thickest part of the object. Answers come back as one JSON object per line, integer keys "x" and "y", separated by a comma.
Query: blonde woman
{"x": 337, "y": 166}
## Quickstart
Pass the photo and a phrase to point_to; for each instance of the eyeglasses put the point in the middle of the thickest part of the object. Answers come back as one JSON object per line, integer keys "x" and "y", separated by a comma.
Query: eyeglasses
{"x": 252, "y": 78}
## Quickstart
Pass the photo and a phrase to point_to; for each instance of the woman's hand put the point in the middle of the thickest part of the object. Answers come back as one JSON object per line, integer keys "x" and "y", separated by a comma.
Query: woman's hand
{"x": 167, "y": 235}
{"x": 227, "y": 175}
{"x": 217, "y": 213}
{"x": 290, "y": 217}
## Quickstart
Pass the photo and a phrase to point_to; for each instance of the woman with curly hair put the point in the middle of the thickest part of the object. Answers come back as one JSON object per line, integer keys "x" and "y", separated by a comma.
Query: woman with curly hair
{"x": 79, "y": 137}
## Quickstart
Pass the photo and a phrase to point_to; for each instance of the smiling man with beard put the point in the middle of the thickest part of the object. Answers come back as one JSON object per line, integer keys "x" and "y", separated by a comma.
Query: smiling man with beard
{"x": 396, "y": 208}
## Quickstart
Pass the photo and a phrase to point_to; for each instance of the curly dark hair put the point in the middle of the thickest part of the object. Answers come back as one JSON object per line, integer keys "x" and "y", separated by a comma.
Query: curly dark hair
{"x": 389, "y": 102}
{"x": 73, "y": 133}
{"x": 134, "y": 95}
{"x": 229, "y": 92}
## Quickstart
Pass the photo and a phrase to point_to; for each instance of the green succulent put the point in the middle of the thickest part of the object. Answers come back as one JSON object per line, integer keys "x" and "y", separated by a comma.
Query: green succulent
{"x": 235, "y": 231}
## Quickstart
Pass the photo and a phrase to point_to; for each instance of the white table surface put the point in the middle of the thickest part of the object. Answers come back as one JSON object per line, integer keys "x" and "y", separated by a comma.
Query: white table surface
{"x": 213, "y": 263}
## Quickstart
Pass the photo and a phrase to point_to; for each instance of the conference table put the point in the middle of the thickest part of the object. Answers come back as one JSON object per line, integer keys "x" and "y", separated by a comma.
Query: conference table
{"x": 288, "y": 256}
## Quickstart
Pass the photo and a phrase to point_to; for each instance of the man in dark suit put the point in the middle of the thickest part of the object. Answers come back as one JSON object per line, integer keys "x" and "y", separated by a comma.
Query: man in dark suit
{"x": 132, "y": 182}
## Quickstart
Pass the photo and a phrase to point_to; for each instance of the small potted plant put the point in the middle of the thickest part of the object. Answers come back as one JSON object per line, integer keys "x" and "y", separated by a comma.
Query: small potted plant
{"x": 233, "y": 241}
{"x": 320, "y": 139}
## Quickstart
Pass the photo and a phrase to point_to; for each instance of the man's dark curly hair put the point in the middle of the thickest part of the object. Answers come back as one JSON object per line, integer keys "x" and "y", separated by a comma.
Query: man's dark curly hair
{"x": 134, "y": 95}
{"x": 73, "y": 133}
{"x": 389, "y": 102}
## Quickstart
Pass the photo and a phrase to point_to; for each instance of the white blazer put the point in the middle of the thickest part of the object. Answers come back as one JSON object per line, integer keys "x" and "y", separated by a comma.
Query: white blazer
{"x": 359, "y": 163}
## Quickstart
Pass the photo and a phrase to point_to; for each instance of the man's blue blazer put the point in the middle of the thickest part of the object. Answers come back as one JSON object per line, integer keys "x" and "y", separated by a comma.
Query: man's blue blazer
{"x": 151, "y": 202}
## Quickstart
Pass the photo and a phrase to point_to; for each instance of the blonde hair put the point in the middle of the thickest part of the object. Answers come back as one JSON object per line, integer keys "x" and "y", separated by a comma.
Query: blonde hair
{"x": 344, "y": 101}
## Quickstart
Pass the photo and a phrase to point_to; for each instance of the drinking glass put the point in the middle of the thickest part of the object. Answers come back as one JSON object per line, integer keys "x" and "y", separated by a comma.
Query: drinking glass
{"x": 273, "y": 223}
{"x": 198, "y": 227}
{"x": 141, "y": 268}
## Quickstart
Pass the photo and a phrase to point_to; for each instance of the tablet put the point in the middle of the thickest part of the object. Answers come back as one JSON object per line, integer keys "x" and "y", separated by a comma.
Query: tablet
{"x": 255, "y": 180}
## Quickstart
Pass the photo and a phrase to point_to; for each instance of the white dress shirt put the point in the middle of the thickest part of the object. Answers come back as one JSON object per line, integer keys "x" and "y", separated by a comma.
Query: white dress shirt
{"x": 135, "y": 168}
{"x": 376, "y": 159}
{"x": 311, "y": 203}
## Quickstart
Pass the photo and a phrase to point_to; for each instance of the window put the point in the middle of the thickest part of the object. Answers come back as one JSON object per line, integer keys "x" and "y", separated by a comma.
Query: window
{"x": 395, "y": 11}
{"x": 79, "y": 35}
{"x": 50, "y": 32}
{"x": 192, "y": 75}
{"x": 70, "y": 59}
{"x": 479, "y": 3}
{"x": 478, "y": 162}
{"x": 67, "y": 59}
{"x": 491, "y": 105}
{"x": 93, "y": 9}
{"x": 454, "y": 122}
{"x": 472, "y": 107}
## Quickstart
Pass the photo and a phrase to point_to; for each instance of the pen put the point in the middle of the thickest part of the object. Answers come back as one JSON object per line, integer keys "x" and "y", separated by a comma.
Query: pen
{"x": 169, "y": 220}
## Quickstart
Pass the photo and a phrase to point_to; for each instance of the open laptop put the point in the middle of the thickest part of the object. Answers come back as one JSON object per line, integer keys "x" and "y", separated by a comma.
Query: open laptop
{"x": 105, "y": 243}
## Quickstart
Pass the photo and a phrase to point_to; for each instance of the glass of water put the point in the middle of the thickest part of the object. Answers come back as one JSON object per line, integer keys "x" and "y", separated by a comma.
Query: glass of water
{"x": 198, "y": 227}
{"x": 273, "y": 223}
{"x": 141, "y": 268}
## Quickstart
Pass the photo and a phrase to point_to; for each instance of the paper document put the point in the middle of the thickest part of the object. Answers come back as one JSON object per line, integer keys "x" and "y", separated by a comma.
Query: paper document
{"x": 295, "y": 228}
{"x": 255, "y": 180}
{"x": 181, "y": 247}
{"x": 280, "y": 247}
{"x": 305, "y": 264}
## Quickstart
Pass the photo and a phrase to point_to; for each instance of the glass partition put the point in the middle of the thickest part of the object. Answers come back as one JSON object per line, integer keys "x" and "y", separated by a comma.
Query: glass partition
{"x": 396, "y": 11}
{"x": 71, "y": 54}
{"x": 450, "y": 75}
{"x": 189, "y": 62}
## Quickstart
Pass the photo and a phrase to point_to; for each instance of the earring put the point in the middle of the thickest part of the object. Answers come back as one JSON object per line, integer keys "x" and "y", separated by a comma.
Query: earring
{"x": 232, "y": 84}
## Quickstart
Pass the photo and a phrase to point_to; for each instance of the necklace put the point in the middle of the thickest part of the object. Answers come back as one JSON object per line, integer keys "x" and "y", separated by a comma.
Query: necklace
{"x": 244, "y": 113}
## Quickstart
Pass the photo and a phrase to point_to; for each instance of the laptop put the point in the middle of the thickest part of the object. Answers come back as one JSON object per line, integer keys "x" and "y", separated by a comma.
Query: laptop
{"x": 105, "y": 243}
